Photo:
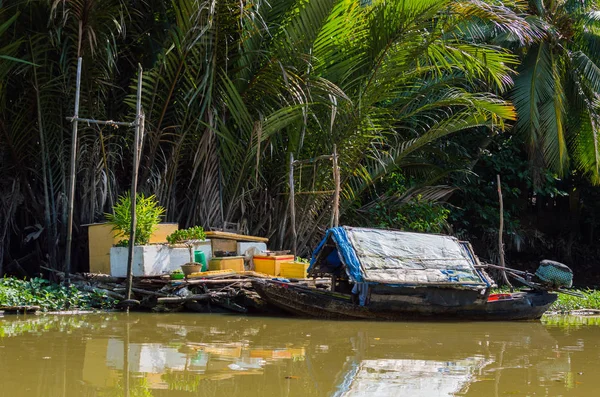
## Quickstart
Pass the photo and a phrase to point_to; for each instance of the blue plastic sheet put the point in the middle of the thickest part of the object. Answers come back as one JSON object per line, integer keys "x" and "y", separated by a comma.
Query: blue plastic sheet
{"x": 344, "y": 250}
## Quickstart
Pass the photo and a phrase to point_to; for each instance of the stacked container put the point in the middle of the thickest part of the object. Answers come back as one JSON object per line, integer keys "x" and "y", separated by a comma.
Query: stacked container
{"x": 271, "y": 264}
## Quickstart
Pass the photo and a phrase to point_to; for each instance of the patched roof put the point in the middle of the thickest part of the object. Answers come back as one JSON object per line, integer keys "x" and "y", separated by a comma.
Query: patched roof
{"x": 395, "y": 257}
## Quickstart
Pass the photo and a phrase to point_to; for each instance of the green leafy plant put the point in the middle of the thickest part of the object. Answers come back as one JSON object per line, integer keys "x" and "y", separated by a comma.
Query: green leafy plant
{"x": 177, "y": 274}
{"x": 40, "y": 292}
{"x": 148, "y": 214}
{"x": 422, "y": 215}
{"x": 417, "y": 215}
{"x": 187, "y": 237}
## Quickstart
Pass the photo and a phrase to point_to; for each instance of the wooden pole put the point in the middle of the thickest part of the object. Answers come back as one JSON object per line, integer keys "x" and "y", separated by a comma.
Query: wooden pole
{"x": 49, "y": 228}
{"x": 126, "y": 358}
{"x": 134, "y": 178}
{"x": 293, "y": 206}
{"x": 71, "y": 197}
{"x": 335, "y": 216}
{"x": 500, "y": 233}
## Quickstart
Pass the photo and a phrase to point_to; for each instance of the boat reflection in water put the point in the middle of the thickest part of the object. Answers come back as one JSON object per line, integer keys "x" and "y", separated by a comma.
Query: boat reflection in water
{"x": 212, "y": 355}
{"x": 393, "y": 377}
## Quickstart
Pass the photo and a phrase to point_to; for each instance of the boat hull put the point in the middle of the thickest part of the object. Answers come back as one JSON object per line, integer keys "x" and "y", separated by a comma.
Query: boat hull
{"x": 427, "y": 304}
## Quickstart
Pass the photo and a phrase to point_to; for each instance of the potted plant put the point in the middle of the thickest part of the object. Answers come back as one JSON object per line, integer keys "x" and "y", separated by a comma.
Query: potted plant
{"x": 191, "y": 238}
{"x": 149, "y": 260}
{"x": 177, "y": 274}
{"x": 148, "y": 214}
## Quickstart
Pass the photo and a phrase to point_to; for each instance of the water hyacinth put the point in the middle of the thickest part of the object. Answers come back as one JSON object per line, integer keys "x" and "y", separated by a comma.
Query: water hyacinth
{"x": 49, "y": 296}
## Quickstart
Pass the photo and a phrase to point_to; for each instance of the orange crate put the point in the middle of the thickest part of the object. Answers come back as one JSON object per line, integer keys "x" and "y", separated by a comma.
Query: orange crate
{"x": 270, "y": 264}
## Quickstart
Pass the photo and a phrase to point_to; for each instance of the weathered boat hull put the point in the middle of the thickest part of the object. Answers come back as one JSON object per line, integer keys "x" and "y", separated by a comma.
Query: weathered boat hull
{"x": 408, "y": 304}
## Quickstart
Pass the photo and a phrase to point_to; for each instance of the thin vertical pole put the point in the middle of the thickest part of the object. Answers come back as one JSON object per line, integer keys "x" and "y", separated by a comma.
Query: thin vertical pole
{"x": 47, "y": 219}
{"x": 500, "y": 233}
{"x": 126, "y": 359}
{"x": 293, "y": 206}
{"x": 134, "y": 178}
{"x": 335, "y": 216}
{"x": 71, "y": 197}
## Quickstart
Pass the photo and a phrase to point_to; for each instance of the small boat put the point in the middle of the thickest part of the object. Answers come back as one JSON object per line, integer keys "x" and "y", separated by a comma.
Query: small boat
{"x": 392, "y": 275}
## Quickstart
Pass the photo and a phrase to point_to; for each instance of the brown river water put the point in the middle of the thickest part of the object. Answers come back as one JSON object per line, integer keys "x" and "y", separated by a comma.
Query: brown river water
{"x": 144, "y": 355}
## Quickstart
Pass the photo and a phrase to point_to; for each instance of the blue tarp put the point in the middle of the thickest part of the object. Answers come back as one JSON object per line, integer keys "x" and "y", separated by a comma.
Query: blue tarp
{"x": 344, "y": 249}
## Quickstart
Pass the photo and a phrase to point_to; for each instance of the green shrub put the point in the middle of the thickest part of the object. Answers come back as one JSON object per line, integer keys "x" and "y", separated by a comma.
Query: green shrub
{"x": 148, "y": 215}
{"x": 187, "y": 237}
{"x": 418, "y": 215}
{"x": 183, "y": 235}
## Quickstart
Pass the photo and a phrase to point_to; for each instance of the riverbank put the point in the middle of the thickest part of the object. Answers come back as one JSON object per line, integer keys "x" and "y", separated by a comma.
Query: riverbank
{"x": 48, "y": 297}
{"x": 220, "y": 293}
{"x": 214, "y": 292}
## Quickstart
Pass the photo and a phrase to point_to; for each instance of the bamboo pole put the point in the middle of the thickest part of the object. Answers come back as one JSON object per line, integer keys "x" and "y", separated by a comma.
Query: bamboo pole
{"x": 71, "y": 196}
{"x": 134, "y": 178}
{"x": 51, "y": 238}
{"x": 500, "y": 233}
{"x": 103, "y": 122}
{"x": 292, "y": 206}
{"x": 314, "y": 159}
{"x": 126, "y": 358}
{"x": 335, "y": 218}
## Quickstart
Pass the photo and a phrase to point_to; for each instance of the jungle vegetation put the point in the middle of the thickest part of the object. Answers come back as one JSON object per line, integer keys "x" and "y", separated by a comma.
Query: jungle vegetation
{"x": 425, "y": 100}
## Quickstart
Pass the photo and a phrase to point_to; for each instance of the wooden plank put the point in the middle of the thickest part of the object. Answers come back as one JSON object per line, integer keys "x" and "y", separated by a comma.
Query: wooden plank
{"x": 221, "y": 244}
{"x": 234, "y": 236}
{"x": 223, "y": 281}
{"x": 19, "y": 309}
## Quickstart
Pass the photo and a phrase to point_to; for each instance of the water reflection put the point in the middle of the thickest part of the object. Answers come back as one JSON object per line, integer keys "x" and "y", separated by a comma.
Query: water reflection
{"x": 209, "y": 355}
{"x": 392, "y": 377}
{"x": 211, "y": 360}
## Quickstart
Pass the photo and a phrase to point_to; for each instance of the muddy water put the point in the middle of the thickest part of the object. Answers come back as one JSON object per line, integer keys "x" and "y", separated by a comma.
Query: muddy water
{"x": 169, "y": 355}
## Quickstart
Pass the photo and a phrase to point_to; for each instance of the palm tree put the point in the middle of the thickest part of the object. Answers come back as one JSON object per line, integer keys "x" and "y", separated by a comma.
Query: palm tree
{"x": 230, "y": 90}
{"x": 411, "y": 77}
{"x": 557, "y": 87}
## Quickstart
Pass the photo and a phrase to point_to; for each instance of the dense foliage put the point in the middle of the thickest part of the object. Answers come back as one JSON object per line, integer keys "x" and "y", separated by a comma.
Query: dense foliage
{"x": 48, "y": 296}
{"x": 568, "y": 303}
{"x": 557, "y": 86}
{"x": 232, "y": 89}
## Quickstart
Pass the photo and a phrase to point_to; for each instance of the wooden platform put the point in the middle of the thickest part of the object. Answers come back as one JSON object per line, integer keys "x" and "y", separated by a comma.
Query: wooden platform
{"x": 19, "y": 309}
{"x": 236, "y": 237}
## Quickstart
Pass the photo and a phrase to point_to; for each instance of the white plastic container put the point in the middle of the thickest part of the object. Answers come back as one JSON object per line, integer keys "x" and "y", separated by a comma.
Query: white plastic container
{"x": 244, "y": 246}
{"x": 148, "y": 260}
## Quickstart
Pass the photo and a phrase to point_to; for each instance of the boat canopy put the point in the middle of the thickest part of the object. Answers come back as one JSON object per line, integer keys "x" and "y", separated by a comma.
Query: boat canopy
{"x": 378, "y": 256}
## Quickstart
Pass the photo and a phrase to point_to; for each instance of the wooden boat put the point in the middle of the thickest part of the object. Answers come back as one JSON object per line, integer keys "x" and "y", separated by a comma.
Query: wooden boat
{"x": 390, "y": 275}
{"x": 409, "y": 304}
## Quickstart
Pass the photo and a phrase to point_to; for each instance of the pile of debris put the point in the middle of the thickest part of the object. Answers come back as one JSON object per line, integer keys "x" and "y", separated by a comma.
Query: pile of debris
{"x": 210, "y": 292}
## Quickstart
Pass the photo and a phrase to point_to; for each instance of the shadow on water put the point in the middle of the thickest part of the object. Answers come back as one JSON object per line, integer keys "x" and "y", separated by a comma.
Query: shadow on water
{"x": 213, "y": 355}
